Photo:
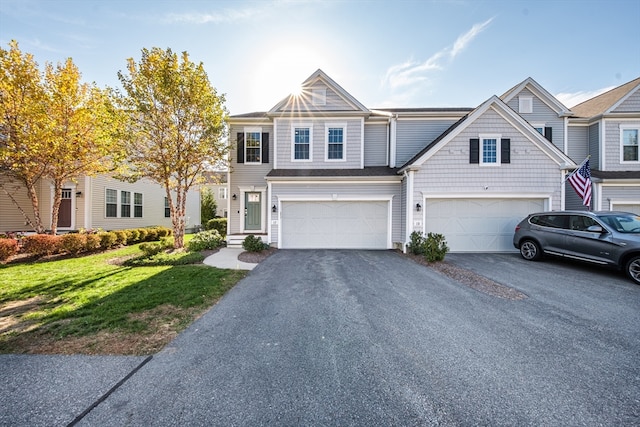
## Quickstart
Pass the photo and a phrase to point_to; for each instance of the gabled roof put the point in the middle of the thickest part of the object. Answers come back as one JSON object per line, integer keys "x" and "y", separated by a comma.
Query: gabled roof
{"x": 508, "y": 114}
{"x": 303, "y": 101}
{"x": 540, "y": 92}
{"x": 607, "y": 102}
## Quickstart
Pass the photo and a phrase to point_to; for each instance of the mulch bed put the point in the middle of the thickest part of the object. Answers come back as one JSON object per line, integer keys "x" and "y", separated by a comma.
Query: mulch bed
{"x": 256, "y": 257}
{"x": 470, "y": 278}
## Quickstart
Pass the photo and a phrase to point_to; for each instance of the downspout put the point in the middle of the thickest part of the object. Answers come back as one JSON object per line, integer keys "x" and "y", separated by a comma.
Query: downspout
{"x": 392, "y": 149}
{"x": 269, "y": 212}
{"x": 409, "y": 210}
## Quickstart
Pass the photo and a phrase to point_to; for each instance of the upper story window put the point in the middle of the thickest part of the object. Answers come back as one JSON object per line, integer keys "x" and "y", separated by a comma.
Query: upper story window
{"x": 111, "y": 199}
{"x": 629, "y": 143}
{"x": 335, "y": 142}
{"x": 301, "y": 142}
{"x": 222, "y": 193}
{"x": 490, "y": 149}
{"x": 525, "y": 104}
{"x": 319, "y": 96}
{"x": 252, "y": 147}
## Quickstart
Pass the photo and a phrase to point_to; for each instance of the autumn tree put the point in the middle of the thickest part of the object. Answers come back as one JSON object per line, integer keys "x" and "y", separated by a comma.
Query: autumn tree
{"x": 53, "y": 127}
{"x": 23, "y": 125}
{"x": 176, "y": 125}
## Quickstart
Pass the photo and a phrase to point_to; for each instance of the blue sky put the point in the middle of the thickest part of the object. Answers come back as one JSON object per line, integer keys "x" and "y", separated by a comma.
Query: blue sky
{"x": 398, "y": 53}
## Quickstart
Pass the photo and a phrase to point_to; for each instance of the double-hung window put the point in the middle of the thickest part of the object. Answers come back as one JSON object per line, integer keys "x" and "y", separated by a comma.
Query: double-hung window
{"x": 111, "y": 199}
{"x": 301, "y": 143}
{"x": 222, "y": 193}
{"x": 489, "y": 149}
{"x": 629, "y": 143}
{"x": 335, "y": 142}
{"x": 167, "y": 209}
{"x": 137, "y": 205}
{"x": 252, "y": 147}
{"x": 125, "y": 204}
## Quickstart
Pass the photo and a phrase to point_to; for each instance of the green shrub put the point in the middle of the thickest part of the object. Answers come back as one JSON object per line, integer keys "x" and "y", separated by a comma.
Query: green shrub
{"x": 252, "y": 243}
{"x": 152, "y": 234}
{"x": 73, "y": 243}
{"x": 121, "y": 237}
{"x": 219, "y": 224}
{"x": 142, "y": 234}
{"x": 92, "y": 242}
{"x": 416, "y": 246}
{"x": 151, "y": 248}
{"x": 204, "y": 240}
{"x": 108, "y": 239}
{"x": 435, "y": 247}
{"x": 167, "y": 241}
{"x": 41, "y": 244}
{"x": 164, "y": 232}
{"x": 133, "y": 236}
{"x": 8, "y": 248}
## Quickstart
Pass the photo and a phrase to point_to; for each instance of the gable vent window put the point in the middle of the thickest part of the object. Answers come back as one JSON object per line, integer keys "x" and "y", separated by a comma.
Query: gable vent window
{"x": 319, "y": 97}
{"x": 525, "y": 104}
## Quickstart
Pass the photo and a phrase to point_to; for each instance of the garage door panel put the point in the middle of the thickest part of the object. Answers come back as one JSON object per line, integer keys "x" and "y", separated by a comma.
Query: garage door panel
{"x": 339, "y": 225}
{"x": 478, "y": 225}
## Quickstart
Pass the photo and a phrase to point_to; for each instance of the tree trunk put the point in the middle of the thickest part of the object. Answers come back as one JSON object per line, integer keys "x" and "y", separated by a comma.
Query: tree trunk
{"x": 55, "y": 209}
{"x": 33, "y": 195}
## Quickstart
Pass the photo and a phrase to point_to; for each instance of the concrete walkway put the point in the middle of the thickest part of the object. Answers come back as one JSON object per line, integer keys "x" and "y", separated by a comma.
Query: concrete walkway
{"x": 228, "y": 258}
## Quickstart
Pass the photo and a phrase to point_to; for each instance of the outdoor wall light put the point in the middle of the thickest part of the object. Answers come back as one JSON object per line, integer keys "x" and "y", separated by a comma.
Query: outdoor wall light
{"x": 418, "y": 207}
{"x": 234, "y": 196}
{"x": 274, "y": 209}
{"x": 78, "y": 193}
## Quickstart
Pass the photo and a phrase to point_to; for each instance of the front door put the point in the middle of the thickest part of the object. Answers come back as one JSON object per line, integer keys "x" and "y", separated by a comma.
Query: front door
{"x": 64, "y": 213}
{"x": 252, "y": 211}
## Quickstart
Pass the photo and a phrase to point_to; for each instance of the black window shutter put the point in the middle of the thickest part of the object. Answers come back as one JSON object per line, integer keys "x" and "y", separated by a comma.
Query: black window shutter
{"x": 474, "y": 150}
{"x": 265, "y": 148}
{"x": 505, "y": 150}
{"x": 547, "y": 133}
{"x": 240, "y": 147}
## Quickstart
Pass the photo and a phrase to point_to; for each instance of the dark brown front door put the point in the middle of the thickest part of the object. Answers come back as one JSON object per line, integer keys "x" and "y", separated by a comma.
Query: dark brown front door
{"x": 64, "y": 214}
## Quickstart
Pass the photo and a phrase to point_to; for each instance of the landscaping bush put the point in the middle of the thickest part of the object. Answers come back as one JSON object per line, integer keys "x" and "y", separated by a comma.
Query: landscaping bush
{"x": 164, "y": 232}
{"x": 8, "y": 248}
{"x": 133, "y": 236}
{"x": 416, "y": 246}
{"x": 219, "y": 224}
{"x": 205, "y": 240}
{"x": 92, "y": 242}
{"x": 167, "y": 241}
{"x": 142, "y": 234}
{"x": 108, "y": 239}
{"x": 152, "y": 234}
{"x": 73, "y": 243}
{"x": 121, "y": 237}
{"x": 41, "y": 244}
{"x": 252, "y": 243}
{"x": 433, "y": 246}
{"x": 151, "y": 248}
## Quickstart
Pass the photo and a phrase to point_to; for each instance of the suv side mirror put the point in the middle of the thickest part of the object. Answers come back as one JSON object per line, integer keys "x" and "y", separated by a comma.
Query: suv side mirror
{"x": 595, "y": 229}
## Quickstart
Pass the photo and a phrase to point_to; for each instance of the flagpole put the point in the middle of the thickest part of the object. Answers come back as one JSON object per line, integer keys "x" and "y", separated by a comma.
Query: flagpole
{"x": 576, "y": 169}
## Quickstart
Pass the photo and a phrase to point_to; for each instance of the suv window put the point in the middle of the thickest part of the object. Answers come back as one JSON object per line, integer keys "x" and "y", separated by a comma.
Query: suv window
{"x": 581, "y": 222}
{"x": 554, "y": 221}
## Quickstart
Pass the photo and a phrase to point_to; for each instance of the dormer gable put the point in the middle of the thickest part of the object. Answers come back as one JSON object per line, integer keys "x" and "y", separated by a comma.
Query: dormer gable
{"x": 621, "y": 99}
{"x": 319, "y": 93}
{"x": 522, "y": 90}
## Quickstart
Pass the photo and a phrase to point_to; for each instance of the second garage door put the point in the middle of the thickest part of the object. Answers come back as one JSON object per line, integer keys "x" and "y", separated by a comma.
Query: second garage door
{"x": 334, "y": 225}
{"x": 478, "y": 225}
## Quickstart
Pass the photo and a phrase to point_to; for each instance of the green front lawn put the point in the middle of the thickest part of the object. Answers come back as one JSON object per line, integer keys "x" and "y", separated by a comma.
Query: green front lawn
{"x": 99, "y": 305}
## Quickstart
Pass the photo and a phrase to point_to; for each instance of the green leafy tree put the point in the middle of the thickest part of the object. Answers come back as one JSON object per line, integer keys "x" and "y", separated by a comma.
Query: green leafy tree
{"x": 175, "y": 125}
{"x": 208, "y": 205}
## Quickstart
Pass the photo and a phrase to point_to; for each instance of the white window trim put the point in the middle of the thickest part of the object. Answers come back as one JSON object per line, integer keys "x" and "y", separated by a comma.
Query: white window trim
{"x": 328, "y": 126}
{"x": 222, "y": 193}
{"x": 132, "y": 204}
{"x": 622, "y": 129}
{"x": 117, "y": 203}
{"x": 525, "y": 104}
{"x": 482, "y": 137}
{"x": 539, "y": 126}
{"x": 257, "y": 130}
{"x": 263, "y": 210}
{"x": 293, "y": 142}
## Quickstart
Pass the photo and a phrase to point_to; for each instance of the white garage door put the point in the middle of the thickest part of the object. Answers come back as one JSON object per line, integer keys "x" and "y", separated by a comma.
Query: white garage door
{"x": 478, "y": 225}
{"x": 633, "y": 208}
{"x": 334, "y": 225}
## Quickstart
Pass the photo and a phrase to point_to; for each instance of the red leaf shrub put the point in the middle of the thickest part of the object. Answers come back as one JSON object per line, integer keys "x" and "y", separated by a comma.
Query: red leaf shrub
{"x": 41, "y": 244}
{"x": 8, "y": 248}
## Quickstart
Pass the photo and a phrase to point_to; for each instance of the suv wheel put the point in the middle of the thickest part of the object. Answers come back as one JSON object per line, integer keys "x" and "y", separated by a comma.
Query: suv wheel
{"x": 530, "y": 251}
{"x": 633, "y": 269}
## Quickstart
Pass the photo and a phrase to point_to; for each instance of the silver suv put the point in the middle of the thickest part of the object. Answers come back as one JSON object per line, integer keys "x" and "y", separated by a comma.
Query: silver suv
{"x": 606, "y": 238}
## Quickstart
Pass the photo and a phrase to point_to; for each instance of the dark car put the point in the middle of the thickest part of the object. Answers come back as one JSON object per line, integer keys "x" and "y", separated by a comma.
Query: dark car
{"x": 606, "y": 238}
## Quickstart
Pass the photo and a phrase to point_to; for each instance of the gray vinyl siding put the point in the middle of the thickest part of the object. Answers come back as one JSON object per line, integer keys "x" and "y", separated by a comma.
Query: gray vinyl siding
{"x": 448, "y": 172}
{"x": 343, "y": 191}
{"x": 375, "y": 144}
{"x": 245, "y": 175}
{"x": 594, "y": 146}
{"x": 613, "y": 146}
{"x": 578, "y": 143}
{"x": 572, "y": 201}
{"x": 542, "y": 114}
{"x": 413, "y": 135}
{"x": 11, "y": 219}
{"x": 631, "y": 104}
{"x": 304, "y": 102}
{"x": 620, "y": 194}
{"x": 352, "y": 144}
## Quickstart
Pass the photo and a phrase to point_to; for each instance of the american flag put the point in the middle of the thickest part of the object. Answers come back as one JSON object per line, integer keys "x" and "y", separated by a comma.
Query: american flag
{"x": 580, "y": 180}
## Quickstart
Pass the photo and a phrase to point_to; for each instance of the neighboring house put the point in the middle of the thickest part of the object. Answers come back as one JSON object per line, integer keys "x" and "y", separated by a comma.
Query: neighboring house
{"x": 217, "y": 183}
{"x": 96, "y": 202}
{"x": 321, "y": 170}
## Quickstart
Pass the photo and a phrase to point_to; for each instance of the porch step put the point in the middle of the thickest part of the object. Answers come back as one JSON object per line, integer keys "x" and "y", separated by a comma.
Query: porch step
{"x": 235, "y": 240}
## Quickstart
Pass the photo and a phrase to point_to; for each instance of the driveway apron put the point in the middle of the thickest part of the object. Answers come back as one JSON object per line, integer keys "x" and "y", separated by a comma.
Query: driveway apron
{"x": 372, "y": 338}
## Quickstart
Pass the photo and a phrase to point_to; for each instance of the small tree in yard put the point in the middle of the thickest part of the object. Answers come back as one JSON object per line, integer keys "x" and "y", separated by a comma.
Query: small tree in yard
{"x": 208, "y": 205}
{"x": 175, "y": 126}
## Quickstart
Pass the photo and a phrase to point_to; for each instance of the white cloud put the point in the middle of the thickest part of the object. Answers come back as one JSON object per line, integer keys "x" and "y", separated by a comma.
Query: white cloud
{"x": 412, "y": 72}
{"x": 575, "y": 98}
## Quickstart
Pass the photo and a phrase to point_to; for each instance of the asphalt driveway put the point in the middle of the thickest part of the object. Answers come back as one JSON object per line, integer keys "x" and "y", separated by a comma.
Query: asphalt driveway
{"x": 371, "y": 338}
